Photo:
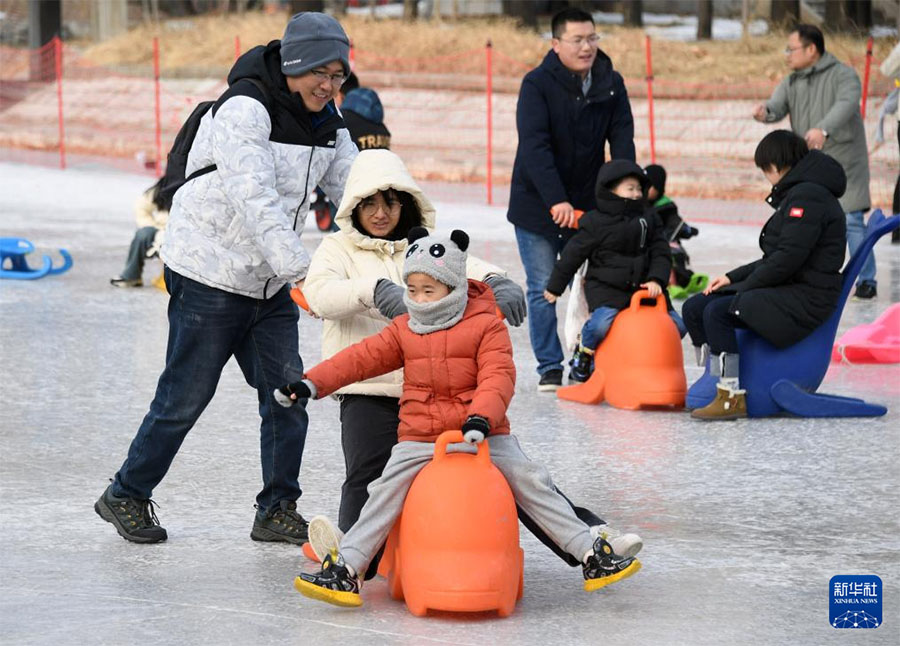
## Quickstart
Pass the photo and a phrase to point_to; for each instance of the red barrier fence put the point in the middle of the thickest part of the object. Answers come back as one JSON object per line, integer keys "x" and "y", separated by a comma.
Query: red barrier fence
{"x": 452, "y": 118}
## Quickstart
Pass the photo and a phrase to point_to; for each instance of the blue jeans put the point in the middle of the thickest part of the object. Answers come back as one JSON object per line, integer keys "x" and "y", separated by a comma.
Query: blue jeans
{"x": 207, "y": 326}
{"x": 539, "y": 254}
{"x": 856, "y": 233}
{"x": 597, "y": 326}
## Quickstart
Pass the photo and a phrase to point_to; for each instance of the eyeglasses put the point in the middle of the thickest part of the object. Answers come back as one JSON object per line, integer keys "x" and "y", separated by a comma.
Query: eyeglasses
{"x": 369, "y": 206}
{"x": 791, "y": 50}
{"x": 334, "y": 79}
{"x": 579, "y": 41}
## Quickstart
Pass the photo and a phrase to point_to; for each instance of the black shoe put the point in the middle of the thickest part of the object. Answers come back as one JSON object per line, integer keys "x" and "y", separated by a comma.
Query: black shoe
{"x": 135, "y": 520}
{"x": 866, "y": 291}
{"x": 333, "y": 584}
{"x": 550, "y": 380}
{"x": 582, "y": 365}
{"x": 118, "y": 281}
{"x": 281, "y": 524}
{"x": 605, "y": 566}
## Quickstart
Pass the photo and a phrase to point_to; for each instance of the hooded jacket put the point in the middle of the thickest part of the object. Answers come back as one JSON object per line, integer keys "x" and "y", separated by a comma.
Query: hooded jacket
{"x": 795, "y": 286}
{"x": 826, "y": 95}
{"x": 622, "y": 241}
{"x": 238, "y": 227}
{"x": 562, "y": 138}
{"x": 450, "y": 374}
{"x": 347, "y": 265}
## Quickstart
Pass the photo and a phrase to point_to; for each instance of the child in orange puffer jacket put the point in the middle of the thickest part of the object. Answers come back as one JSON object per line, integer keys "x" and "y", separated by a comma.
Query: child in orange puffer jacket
{"x": 458, "y": 370}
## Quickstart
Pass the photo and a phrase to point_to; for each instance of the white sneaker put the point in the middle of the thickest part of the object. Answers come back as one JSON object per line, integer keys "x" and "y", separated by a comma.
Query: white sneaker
{"x": 624, "y": 545}
{"x": 324, "y": 537}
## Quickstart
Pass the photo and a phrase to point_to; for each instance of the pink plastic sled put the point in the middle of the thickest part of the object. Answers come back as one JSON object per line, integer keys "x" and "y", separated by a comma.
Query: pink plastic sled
{"x": 877, "y": 342}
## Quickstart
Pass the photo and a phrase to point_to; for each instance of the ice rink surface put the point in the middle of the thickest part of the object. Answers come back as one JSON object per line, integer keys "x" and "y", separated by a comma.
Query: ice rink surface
{"x": 744, "y": 523}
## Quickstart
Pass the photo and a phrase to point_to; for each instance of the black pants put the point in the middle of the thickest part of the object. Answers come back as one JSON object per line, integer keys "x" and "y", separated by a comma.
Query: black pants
{"x": 708, "y": 321}
{"x": 368, "y": 433}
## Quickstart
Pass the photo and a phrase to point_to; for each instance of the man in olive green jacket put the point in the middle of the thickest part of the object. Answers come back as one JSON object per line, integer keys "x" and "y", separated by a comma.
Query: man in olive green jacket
{"x": 822, "y": 95}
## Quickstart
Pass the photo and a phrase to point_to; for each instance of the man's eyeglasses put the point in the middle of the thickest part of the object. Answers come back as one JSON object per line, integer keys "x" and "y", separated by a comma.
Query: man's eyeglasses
{"x": 579, "y": 41}
{"x": 334, "y": 79}
{"x": 369, "y": 207}
{"x": 791, "y": 50}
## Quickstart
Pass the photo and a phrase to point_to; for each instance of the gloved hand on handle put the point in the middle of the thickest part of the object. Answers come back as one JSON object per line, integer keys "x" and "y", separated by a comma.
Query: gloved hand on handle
{"x": 475, "y": 429}
{"x": 290, "y": 394}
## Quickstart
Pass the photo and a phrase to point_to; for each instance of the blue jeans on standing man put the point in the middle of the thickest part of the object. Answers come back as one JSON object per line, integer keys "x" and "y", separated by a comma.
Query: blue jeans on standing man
{"x": 208, "y": 326}
{"x": 539, "y": 255}
{"x": 601, "y": 319}
{"x": 856, "y": 233}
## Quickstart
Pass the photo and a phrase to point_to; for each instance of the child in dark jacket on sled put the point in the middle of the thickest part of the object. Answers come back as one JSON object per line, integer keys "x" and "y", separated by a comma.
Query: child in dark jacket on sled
{"x": 458, "y": 372}
{"x": 626, "y": 250}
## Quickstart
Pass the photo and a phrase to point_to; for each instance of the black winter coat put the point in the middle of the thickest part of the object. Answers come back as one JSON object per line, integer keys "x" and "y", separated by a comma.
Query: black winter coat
{"x": 366, "y": 133}
{"x": 562, "y": 138}
{"x": 624, "y": 245}
{"x": 795, "y": 286}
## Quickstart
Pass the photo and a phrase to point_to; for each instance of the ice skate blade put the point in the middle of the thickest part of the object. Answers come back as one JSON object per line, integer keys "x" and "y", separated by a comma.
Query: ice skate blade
{"x": 334, "y": 597}
{"x": 596, "y": 584}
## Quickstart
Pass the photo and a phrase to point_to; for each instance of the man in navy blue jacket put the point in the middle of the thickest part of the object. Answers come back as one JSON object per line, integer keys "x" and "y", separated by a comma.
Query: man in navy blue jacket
{"x": 569, "y": 107}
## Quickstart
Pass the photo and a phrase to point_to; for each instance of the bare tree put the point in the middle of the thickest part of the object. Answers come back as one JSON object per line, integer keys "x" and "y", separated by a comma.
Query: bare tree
{"x": 632, "y": 11}
{"x": 410, "y": 9}
{"x": 524, "y": 10}
{"x": 786, "y": 11}
{"x": 704, "y": 19}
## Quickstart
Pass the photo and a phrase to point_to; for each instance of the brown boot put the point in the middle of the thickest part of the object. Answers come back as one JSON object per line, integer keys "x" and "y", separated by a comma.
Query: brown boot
{"x": 728, "y": 404}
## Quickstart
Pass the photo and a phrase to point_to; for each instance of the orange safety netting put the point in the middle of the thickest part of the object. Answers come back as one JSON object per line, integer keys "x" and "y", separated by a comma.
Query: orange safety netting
{"x": 437, "y": 110}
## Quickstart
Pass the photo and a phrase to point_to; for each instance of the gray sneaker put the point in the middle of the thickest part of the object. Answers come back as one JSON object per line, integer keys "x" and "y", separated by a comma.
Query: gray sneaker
{"x": 625, "y": 545}
{"x": 281, "y": 524}
{"x": 135, "y": 520}
{"x": 118, "y": 281}
{"x": 324, "y": 537}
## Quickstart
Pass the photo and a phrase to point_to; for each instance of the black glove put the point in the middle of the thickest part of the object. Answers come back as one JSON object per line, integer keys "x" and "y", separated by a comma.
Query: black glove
{"x": 475, "y": 429}
{"x": 510, "y": 298}
{"x": 303, "y": 389}
{"x": 389, "y": 298}
{"x": 687, "y": 231}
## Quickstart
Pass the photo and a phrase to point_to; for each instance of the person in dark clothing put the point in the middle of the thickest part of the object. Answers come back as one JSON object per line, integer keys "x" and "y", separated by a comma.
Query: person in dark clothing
{"x": 794, "y": 287}
{"x": 364, "y": 116}
{"x": 675, "y": 228}
{"x": 569, "y": 108}
{"x": 624, "y": 246}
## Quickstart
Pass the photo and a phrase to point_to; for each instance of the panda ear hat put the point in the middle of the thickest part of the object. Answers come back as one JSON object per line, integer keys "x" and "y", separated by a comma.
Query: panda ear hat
{"x": 438, "y": 256}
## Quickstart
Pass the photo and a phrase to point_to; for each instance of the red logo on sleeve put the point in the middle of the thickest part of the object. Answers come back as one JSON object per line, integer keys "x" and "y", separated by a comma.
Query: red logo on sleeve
{"x": 796, "y": 212}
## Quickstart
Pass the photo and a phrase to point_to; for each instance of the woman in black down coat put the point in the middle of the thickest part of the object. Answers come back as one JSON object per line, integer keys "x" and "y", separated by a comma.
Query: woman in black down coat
{"x": 794, "y": 287}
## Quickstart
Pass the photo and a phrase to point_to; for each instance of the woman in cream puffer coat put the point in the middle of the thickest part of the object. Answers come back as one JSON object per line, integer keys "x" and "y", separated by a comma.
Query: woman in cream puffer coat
{"x": 340, "y": 288}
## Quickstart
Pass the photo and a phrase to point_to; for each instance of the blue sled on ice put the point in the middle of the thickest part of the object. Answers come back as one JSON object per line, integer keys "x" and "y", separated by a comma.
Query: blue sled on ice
{"x": 13, "y": 264}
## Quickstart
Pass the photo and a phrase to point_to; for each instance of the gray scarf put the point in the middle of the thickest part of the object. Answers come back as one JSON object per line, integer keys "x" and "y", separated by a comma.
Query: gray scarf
{"x": 425, "y": 318}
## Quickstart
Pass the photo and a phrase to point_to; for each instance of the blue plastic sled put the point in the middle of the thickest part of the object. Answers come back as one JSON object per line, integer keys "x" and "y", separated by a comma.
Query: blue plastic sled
{"x": 13, "y": 264}
{"x": 785, "y": 380}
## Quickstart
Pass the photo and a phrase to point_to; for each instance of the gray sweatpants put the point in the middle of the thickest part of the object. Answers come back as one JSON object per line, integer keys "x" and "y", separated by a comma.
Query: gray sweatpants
{"x": 530, "y": 483}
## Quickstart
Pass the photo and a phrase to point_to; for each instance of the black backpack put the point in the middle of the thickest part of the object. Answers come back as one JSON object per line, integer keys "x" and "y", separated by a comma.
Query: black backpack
{"x": 176, "y": 161}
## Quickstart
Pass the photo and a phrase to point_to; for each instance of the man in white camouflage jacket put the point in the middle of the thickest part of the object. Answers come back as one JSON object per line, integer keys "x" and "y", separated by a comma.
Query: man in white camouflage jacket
{"x": 232, "y": 253}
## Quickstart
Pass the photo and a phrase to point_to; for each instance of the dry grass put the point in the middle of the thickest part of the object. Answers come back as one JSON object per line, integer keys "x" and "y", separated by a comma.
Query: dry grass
{"x": 209, "y": 42}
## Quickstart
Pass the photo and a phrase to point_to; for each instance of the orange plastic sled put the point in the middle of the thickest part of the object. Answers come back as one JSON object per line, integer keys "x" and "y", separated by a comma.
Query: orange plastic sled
{"x": 639, "y": 363}
{"x": 456, "y": 545}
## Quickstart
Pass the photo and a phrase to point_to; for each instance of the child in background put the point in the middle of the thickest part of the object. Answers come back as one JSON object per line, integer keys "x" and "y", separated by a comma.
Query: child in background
{"x": 626, "y": 250}
{"x": 451, "y": 323}
{"x": 151, "y": 213}
{"x": 675, "y": 229}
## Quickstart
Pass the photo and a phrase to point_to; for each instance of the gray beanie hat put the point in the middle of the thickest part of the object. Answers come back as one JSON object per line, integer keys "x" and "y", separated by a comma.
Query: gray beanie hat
{"x": 440, "y": 257}
{"x": 444, "y": 259}
{"x": 313, "y": 39}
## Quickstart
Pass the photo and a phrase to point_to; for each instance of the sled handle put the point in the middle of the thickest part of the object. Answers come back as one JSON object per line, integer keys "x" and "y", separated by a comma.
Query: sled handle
{"x": 454, "y": 437}
{"x": 641, "y": 294}
{"x": 578, "y": 214}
